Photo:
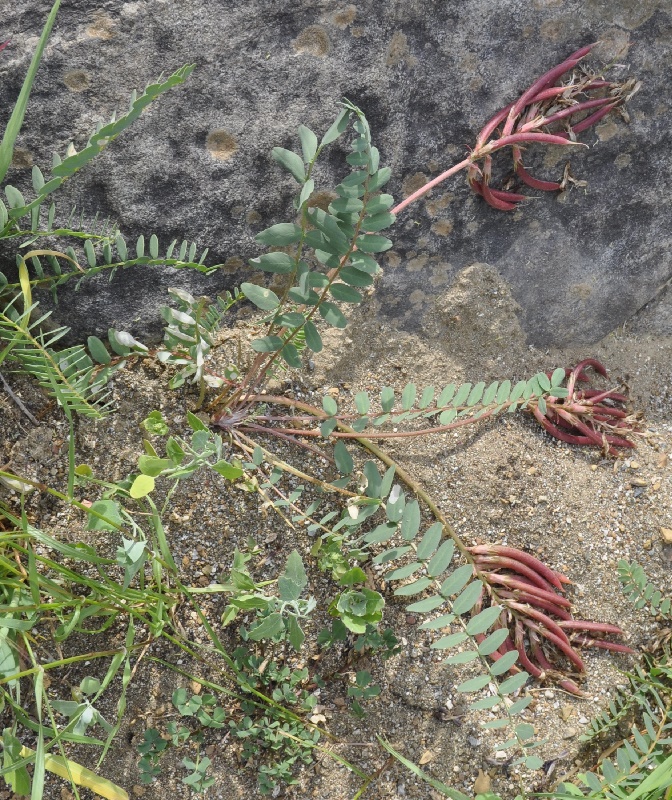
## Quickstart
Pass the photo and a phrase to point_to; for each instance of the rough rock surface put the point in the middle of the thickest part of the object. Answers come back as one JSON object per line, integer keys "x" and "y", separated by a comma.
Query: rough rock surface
{"x": 427, "y": 74}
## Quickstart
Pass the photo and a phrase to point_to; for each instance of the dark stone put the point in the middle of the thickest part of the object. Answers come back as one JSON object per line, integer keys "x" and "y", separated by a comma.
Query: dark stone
{"x": 427, "y": 74}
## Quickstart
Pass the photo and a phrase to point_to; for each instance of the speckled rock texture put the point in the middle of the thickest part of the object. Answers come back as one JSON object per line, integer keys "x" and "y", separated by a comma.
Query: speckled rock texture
{"x": 428, "y": 75}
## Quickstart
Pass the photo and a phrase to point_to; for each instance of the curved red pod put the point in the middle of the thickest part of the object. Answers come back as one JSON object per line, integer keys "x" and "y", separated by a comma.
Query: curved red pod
{"x": 533, "y": 669}
{"x": 523, "y": 138}
{"x": 496, "y": 202}
{"x": 563, "y": 646}
{"x": 551, "y": 76}
{"x": 520, "y": 583}
{"x": 535, "y": 183}
{"x": 492, "y": 124}
{"x": 549, "y": 624}
{"x": 594, "y": 627}
{"x": 603, "y": 644}
{"x": 540, "y": 569}
{"x": 533, "y": 600}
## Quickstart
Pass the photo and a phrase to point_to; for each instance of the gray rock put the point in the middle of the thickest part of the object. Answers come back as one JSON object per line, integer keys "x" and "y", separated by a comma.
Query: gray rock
{"x": 427, "y": 74}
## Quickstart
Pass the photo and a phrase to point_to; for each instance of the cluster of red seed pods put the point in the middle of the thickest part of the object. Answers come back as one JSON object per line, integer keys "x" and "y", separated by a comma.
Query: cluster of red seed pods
{"x": 537, "y": 615}
{"x": 587, "y": 416}
{"x": 527, "y": 121}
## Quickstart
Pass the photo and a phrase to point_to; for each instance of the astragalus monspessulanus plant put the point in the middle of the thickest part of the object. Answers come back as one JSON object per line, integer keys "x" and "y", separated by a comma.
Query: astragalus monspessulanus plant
{"x": 531, "y": 621}
{"x": 483, "y": 599}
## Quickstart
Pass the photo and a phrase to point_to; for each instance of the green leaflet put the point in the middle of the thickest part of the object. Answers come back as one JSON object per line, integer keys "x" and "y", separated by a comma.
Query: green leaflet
{"x": 279, "y": 235}
{"x": 290, "y": 161}
{"x": 308, "y": 143}
{"x": 263, "y": 298}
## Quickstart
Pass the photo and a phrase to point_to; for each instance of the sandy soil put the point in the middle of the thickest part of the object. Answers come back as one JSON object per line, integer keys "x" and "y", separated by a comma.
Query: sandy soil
{"x": 502, "y": 481}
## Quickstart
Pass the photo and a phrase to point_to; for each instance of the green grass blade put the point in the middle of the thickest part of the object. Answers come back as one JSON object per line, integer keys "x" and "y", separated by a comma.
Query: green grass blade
{"x": 16, "y": 120}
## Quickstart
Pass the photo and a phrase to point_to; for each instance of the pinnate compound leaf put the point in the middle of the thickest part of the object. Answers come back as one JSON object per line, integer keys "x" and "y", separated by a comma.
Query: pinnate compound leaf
{"x": 515, "y": 682}
{"x": 474, "y": 684}
{"x": 332, "y": 315}
{"x": 262, "y": 298}
{"x": 290, "y": 161}
{"x": 267, "y": 344}
{"x": 313, "y": 338}
{"x": 426, "y": 605}
{"x": 279, "y": 235}
{"x": 430, "y": 541}
{"x": 343, "y": 459}
{"x": 373, "y": 244}
{"x": 410, "y": 520}
{"x": 337, "y": 128}
{"x": 505, "y": 663}
{"x": 468, "y": 599}
{"x": 279, "y": 263}
{"x": 455, "y": 582}
{"x": 442, "y": 559}
{"x": 493, "y": 642}
{"x": 462, "y": 658}
{"x": 482, "y": 622}
{"x": 308, "y": 143}
{"x": 452, "y": 640}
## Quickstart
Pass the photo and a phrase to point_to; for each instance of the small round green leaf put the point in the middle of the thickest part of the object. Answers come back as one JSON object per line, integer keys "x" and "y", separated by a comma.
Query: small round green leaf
{"x": 142, "y": 486}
